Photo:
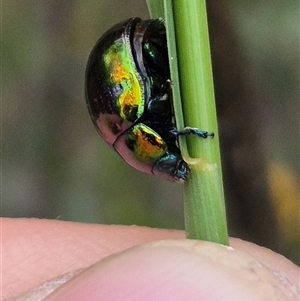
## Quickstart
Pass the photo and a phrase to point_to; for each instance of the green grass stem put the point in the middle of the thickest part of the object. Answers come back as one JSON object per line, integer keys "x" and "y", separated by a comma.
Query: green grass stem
{"x": 194, "y": 105}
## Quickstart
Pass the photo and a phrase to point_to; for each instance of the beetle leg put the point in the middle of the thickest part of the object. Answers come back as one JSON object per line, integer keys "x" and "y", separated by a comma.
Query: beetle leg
{"x": 166, "y": 86}
{"x": 159, "y": 104}
{"x": 194, "y": 131}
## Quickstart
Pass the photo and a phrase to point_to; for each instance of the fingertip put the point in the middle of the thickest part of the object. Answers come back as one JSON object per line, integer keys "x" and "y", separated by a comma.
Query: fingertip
{"x": 174, "y": 270}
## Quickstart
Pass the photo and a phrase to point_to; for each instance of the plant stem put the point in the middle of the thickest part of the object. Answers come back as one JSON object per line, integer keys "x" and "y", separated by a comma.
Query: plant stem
{"x": 205, "y": 216}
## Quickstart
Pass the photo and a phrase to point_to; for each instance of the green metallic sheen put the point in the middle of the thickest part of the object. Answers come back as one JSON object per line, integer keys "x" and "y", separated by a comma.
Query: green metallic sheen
{"x": 123, "y": 74}
{"x": 128, "y": 96}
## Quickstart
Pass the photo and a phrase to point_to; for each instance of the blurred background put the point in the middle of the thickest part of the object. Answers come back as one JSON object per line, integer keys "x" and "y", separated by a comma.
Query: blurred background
{"x": 54, "y": 164}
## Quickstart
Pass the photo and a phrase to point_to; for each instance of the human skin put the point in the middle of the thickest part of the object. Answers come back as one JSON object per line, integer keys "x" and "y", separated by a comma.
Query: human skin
{"x": 102, "y": 262}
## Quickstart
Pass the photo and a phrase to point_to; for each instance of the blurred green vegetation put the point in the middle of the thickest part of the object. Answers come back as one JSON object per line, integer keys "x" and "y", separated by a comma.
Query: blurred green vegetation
{"x": 54, "y": 165}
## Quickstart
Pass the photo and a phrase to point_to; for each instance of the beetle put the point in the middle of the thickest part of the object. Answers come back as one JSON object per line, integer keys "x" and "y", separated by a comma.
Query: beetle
{"x": 128, "y": 94}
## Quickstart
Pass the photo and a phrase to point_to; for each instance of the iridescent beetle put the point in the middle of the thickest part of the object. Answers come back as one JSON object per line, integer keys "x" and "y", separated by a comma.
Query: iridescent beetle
{"x": 128, "y": 95}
